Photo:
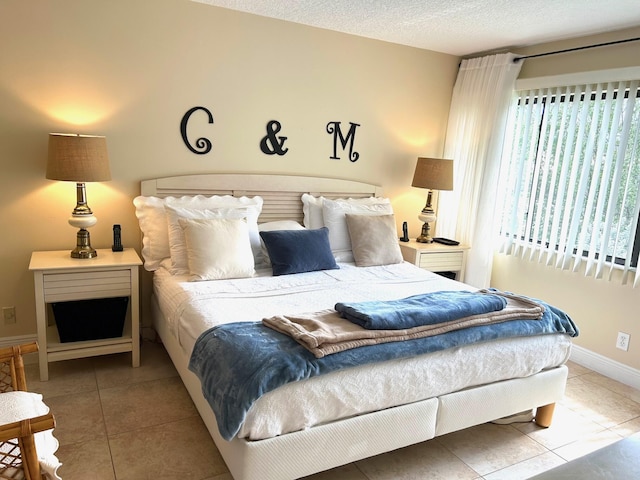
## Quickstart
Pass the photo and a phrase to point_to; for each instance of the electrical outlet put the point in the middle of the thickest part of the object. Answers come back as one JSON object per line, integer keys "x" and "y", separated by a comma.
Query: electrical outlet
{"x": 9, "y": 315}
{"x": 623, "y": 341}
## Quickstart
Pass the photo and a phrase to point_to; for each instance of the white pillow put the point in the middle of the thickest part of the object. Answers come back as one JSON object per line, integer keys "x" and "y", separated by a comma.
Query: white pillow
{"x": 155, "y": 236}
{"x": 216, "y": 207}
{"x": 269, "y": 227}
{"x": 152, "y": 219}
{"x": 217, "y": 248}
{"x": 279, "y": 225}
{"x": 312, "y": 210}
{"x": 333, "y": 213}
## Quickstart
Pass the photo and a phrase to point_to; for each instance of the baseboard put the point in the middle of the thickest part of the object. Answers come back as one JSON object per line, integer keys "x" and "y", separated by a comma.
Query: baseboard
{"x": 19, "y": 340}
{"x": 605, "y": 366}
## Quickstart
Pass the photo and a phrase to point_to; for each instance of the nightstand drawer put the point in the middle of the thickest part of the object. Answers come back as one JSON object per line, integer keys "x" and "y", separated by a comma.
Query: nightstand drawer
{"x": 60, "y": 287}
{"x": 441, "y": 261}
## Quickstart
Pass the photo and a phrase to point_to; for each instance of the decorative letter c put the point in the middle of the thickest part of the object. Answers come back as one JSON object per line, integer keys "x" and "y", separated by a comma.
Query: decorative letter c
{"x": 203, "y": 144}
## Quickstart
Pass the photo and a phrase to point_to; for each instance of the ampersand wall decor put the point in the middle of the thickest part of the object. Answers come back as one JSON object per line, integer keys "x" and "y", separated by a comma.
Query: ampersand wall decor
{"x": 203, "y": 145}
{"x": 271, "y": 144}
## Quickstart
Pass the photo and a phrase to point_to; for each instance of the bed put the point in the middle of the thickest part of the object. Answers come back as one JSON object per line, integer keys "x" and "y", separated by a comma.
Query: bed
{"x": 349, "y": 414}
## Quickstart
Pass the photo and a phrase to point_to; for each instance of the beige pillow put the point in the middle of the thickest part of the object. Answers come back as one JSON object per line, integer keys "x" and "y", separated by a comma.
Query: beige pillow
{"x": 218, "y": 248}
{"x": 373, "y": 239}
{"x": 333, "y": 214}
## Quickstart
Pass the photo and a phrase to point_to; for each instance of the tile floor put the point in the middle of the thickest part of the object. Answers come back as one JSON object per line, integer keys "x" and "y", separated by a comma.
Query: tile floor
{"x": 115, "y": 422}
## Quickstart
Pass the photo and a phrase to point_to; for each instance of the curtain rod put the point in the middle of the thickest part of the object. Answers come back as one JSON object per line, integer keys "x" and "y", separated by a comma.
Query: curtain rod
{"x": 515, "y": 60}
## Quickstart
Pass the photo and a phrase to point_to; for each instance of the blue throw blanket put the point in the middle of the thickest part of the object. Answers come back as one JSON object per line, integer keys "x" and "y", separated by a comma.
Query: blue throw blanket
{"x": 419, "y": 310}
{"x": 239, "y": 362}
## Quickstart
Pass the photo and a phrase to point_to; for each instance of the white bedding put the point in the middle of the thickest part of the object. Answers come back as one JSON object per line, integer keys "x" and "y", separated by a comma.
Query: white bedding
{"x": 192, "y": 307}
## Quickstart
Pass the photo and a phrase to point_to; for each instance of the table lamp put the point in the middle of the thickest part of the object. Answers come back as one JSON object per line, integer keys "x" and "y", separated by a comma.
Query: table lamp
{"x": 80, "y": 159}
{"x": 433, "y": 174}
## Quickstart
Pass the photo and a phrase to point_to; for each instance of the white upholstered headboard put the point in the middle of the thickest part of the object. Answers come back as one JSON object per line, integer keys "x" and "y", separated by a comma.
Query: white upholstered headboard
{"x": 281, "y": 193}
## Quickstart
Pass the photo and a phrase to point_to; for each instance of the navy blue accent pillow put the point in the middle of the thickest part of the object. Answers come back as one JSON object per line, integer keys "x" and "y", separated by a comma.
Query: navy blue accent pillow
{"x": 298, "y": 251}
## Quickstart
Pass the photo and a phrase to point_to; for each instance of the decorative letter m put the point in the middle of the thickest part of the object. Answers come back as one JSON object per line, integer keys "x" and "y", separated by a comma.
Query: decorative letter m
{"x": 334, "y": 128}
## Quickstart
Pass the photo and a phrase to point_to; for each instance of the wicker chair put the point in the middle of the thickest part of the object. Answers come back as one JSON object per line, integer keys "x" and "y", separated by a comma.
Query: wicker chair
{"x": 18, "y": 455}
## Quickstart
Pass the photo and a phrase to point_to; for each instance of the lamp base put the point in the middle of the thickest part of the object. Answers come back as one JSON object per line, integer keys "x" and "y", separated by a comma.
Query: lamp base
{"x": 427, "y": 215}
{"x": 83, "y": 246}
{"x": 425, "y": 234}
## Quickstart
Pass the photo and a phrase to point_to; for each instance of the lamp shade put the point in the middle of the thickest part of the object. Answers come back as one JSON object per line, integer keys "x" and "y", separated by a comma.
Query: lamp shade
{"x": 434, "y": 174}
{"x": 78, "y": 158}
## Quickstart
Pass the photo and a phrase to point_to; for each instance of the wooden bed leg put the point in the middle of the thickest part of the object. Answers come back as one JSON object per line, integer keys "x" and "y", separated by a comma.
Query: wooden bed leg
{"x": 544, "y": 415}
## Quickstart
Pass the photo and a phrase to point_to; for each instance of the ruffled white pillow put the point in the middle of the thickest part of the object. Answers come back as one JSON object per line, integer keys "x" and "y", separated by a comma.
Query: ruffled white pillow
{"x": 155, "y": 235}
{"x": 312, "y": 211}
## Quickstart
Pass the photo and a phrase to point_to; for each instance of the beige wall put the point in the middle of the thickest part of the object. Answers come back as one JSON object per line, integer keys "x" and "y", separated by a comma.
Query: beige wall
{"x": 128, "y": 71}
{"x": 600, "y": 308}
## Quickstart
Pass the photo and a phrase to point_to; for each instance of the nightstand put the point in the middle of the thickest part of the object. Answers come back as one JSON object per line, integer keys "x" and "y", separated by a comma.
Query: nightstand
{"x": 60, "y": 278}
{"x": 436, "y": 257}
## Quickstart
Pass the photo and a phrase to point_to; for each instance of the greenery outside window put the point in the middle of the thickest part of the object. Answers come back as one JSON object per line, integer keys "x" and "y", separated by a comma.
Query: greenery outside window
{"x": 570, "y": 177}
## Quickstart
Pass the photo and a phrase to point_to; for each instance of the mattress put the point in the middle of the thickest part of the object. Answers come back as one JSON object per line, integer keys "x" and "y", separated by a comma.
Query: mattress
{"x": 190, "y": 308}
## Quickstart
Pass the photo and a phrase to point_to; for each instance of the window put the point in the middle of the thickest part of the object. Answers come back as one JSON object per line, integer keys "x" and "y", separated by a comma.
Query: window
{"x": 570, "y": 177}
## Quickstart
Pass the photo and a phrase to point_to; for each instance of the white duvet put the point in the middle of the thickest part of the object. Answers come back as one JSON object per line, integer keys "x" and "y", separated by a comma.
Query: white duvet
{"x": 192, "y": 307}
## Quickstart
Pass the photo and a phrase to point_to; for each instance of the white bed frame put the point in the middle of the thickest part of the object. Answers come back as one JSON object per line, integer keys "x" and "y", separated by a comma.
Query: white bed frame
{"x": 302, "y": 453}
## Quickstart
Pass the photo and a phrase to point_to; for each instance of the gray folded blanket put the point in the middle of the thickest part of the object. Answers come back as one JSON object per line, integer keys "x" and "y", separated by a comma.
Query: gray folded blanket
{"x": 326, "y": 332}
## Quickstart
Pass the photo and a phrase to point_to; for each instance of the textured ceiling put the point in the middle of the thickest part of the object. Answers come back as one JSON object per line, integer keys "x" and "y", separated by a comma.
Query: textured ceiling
{"x": 458, "y": 27}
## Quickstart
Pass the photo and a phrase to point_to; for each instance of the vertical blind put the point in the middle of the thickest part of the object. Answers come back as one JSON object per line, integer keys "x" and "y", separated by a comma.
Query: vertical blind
{"x": 570, "y": 178}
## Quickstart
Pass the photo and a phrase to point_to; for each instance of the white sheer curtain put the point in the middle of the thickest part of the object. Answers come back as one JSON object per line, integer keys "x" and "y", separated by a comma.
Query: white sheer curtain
{"x": 475, "y": 135}
{"x": 571, "y": 175}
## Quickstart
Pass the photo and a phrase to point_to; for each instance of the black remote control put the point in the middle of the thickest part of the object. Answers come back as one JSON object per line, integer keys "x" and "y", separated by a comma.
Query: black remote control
{"x": 446, "y": 241}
